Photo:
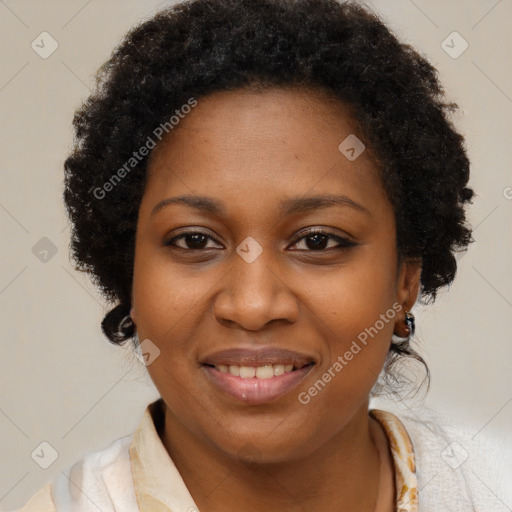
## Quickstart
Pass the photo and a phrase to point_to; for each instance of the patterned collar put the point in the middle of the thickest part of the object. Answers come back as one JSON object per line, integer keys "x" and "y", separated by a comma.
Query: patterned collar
{"x": 403, "y": 460}
{"x": 159, "y": 486}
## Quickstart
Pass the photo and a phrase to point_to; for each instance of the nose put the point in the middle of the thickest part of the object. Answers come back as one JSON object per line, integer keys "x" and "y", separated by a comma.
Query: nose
{"x": 253, "y": 295}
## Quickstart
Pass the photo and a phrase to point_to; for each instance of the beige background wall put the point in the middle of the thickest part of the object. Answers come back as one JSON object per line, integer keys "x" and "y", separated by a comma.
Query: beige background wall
{"x": 63, "y": 383}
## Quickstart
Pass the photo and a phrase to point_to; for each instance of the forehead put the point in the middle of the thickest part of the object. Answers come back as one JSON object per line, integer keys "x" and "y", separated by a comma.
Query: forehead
{"x": 265, "y": 144}
{"x": 283, "y": 116}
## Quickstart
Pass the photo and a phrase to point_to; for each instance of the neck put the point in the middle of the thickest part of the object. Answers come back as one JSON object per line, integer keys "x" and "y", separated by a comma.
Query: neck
{"x": 342, "y": 475}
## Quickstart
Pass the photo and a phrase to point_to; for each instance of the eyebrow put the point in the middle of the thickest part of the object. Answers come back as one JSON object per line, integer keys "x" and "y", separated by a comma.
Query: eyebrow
{"x": 287, "y": 207}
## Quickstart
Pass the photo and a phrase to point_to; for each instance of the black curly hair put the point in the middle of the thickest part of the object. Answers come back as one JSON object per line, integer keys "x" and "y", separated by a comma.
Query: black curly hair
{"x": 196, "y": 47}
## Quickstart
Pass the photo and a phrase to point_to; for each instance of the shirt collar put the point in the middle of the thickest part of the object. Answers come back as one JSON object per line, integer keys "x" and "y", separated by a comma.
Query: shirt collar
{"x": 159, "y": 486}
{"x": 403, "y": 459}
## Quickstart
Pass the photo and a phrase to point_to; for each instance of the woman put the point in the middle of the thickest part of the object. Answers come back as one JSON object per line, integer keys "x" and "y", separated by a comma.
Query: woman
{"x": 264, "y": 189}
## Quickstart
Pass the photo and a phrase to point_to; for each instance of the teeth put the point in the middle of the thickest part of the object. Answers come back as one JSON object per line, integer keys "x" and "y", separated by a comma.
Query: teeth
{"x": 247, "y": 372}
{"x": 264, "y": 372}
{"x": 234, "y": 370}
{"x": 261, "y": 372}
{"x": 279, "y": 369}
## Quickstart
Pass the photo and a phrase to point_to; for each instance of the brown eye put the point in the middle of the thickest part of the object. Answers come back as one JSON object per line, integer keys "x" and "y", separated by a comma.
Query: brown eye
{"x": 318, "y": 240}
{"x": 191, "y": 240}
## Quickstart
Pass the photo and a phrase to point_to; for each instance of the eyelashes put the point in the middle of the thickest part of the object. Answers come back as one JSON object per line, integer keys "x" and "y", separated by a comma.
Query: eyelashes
{"x": 321, "y": 234}
{"x": 197, "y": 241}
{"x": 196, "y": 236}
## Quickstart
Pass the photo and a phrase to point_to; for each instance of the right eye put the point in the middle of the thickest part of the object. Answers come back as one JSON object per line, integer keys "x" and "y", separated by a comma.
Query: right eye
{"x": 191, "y": 241}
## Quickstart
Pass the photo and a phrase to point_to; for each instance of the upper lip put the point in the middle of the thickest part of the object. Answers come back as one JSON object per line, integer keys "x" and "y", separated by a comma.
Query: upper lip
{"x": 257, "y": 357}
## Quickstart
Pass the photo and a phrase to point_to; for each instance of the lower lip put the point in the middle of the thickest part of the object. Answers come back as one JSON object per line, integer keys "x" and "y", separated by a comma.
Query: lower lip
{"x": 253, "y": 390}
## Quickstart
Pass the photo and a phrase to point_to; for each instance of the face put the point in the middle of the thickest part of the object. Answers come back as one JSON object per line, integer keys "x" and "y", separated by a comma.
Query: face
{"x": 237, "y": 274}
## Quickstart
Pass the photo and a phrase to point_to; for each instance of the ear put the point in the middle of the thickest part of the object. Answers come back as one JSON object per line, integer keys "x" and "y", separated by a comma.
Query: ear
{"x": 132, "y": 313}
{"x": 408, "y": 286}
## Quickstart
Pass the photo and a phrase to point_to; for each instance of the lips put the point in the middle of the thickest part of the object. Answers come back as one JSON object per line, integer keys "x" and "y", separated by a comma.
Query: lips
{"x": 256, "y": 376}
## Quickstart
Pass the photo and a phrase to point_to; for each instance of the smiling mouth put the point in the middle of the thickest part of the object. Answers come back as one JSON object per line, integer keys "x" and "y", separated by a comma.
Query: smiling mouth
{"x": 266, "y": 371}
{"x": 256, "y": 385}
{"x": 256, "y": 376}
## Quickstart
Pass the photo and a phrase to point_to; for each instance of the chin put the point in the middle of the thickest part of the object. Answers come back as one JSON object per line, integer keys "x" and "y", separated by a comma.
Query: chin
{"x": 261, "y": 447}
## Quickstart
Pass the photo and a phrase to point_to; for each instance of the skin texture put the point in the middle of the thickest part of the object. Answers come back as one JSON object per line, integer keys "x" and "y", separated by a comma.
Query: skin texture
{"x": 251, "y": 150}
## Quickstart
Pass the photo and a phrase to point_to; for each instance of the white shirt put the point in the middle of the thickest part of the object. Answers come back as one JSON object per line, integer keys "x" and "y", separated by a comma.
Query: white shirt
{"x": 136, "y": 474}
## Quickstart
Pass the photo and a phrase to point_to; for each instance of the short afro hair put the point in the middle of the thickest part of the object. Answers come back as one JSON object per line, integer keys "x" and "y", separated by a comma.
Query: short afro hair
{"x": 198, "y": 47}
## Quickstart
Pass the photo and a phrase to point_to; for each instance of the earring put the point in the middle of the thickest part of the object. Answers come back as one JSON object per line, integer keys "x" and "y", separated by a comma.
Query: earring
{"x": 410, "y": 322}
{"x": 125, "y": 323}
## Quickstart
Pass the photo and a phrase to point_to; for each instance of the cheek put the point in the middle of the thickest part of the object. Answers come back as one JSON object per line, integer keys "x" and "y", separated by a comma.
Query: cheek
{"x": 353, "y": 310}
{"x": 165, "y": 296}
{"x": 354, "y": 296}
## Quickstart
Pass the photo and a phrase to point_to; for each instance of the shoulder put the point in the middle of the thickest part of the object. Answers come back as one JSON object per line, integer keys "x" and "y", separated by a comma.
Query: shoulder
{"x": 102, "y": 477}
{"x": 456, "y": 469}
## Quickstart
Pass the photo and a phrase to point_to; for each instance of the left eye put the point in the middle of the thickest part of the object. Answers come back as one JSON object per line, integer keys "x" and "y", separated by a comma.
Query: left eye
{"x": 319, "y": 238}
